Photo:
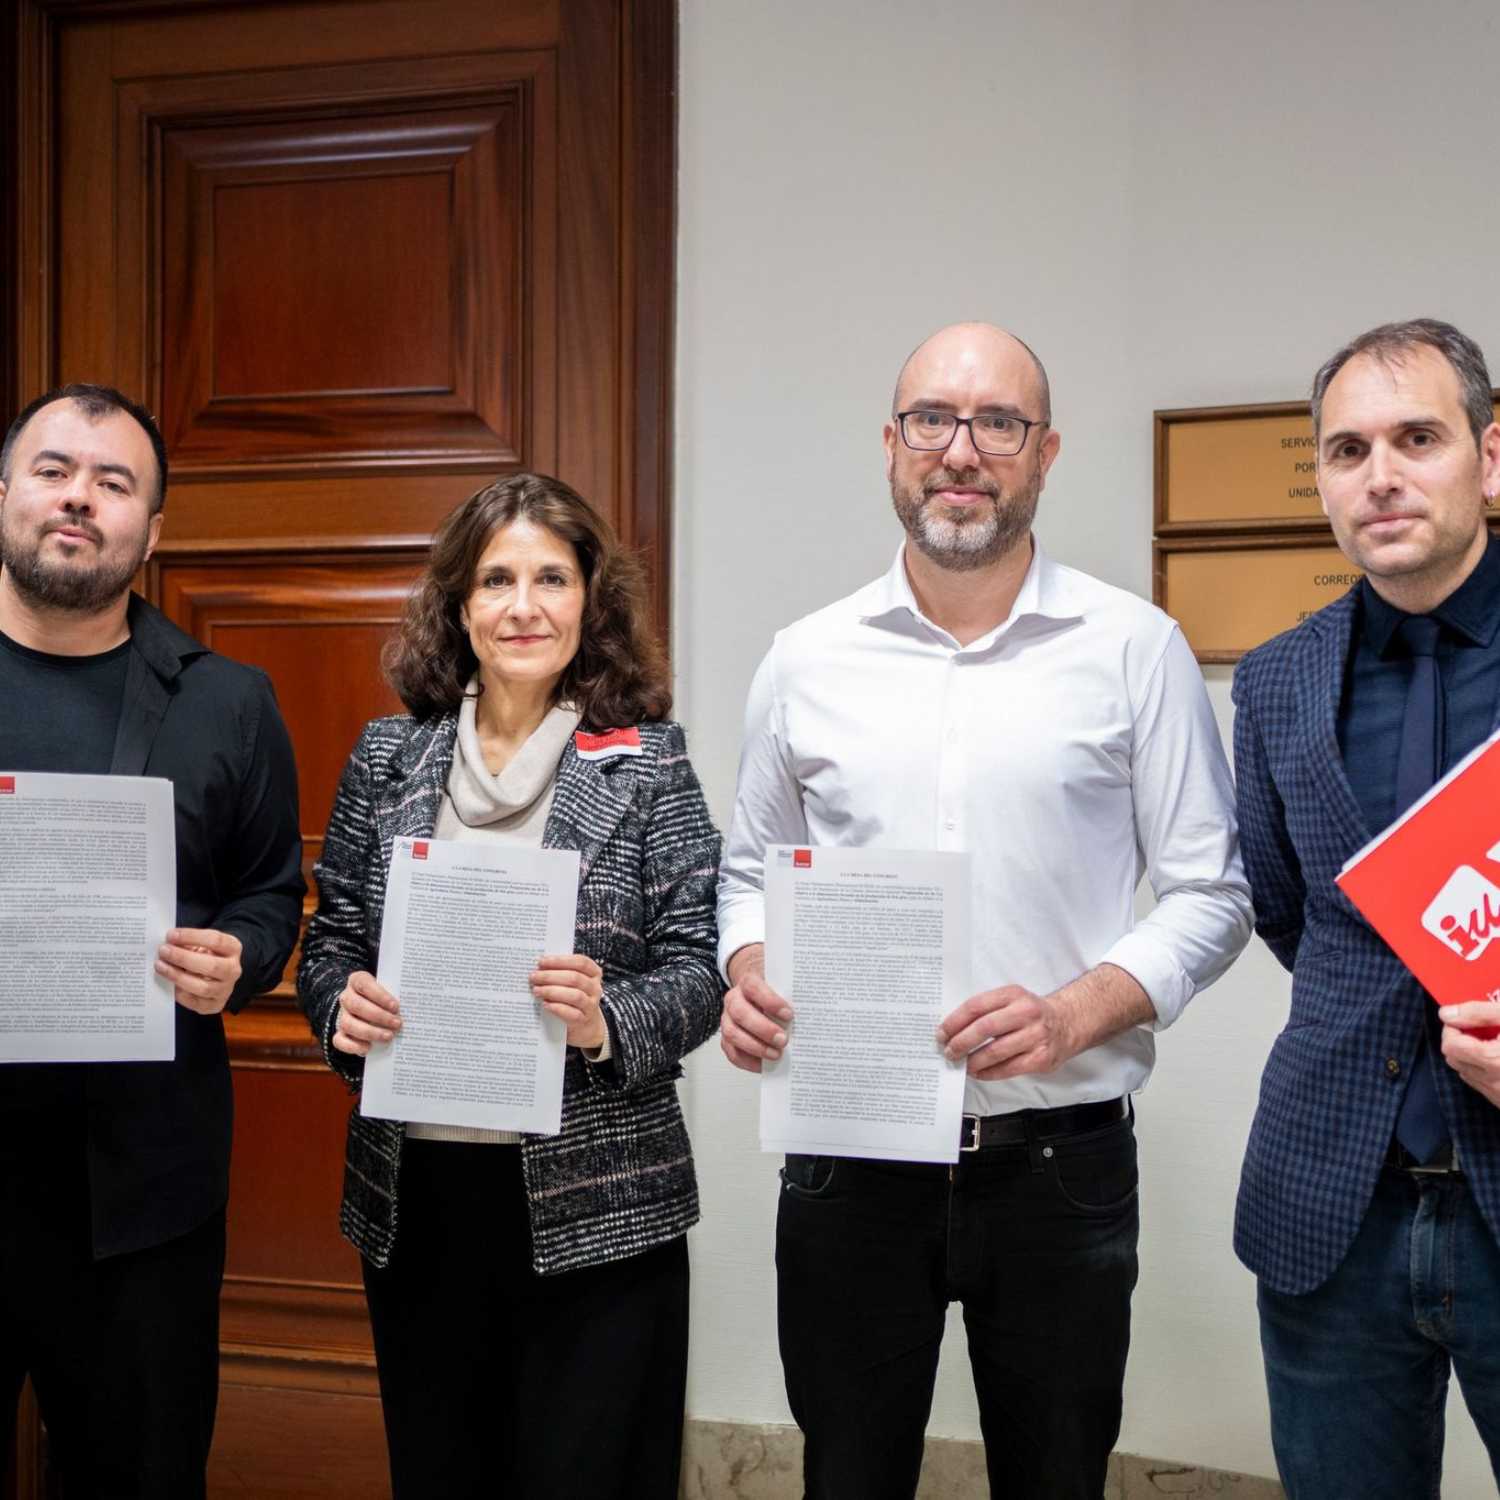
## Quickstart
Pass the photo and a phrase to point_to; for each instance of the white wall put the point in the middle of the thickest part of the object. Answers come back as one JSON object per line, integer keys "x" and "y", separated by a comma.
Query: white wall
{"x": 1178, "y": 203}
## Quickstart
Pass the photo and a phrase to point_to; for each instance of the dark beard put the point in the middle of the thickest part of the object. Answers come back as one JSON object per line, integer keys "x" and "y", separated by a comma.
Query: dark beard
{"x": 64, "y": 586}
{"x": 981, "y": 538}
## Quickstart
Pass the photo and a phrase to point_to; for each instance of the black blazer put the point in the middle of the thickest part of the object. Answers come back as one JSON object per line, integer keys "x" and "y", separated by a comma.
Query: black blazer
{"x": 159, "y": 1133}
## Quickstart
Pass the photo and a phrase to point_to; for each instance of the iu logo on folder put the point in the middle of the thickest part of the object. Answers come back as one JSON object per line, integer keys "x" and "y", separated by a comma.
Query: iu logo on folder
{"x": 1465, "y": 914}
{"x": 8, "y": 785}
{"x": 418, "y": 849}
{"x": 1430, "y": 884}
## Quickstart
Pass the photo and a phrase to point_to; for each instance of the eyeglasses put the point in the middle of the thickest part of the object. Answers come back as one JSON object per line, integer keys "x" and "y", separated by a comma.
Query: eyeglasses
{"x": 990, "y": 432}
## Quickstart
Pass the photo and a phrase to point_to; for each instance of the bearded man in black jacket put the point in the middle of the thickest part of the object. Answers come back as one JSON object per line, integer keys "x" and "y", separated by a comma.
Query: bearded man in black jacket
{"x": 114, "y": 1176}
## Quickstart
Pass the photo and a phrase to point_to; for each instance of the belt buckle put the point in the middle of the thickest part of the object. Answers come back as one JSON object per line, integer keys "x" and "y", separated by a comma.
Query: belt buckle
{"x": 968, "y": 1136}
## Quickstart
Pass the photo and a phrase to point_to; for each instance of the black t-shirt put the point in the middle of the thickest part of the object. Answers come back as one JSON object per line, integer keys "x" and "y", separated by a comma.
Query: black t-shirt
{"x": 57, "y": 713}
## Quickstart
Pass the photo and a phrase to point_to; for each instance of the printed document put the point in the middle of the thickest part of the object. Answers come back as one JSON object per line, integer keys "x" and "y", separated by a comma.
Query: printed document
{"x": 871, "y": 947}
{"x": 464, "y": 926}
{"x": 88, "y": 890}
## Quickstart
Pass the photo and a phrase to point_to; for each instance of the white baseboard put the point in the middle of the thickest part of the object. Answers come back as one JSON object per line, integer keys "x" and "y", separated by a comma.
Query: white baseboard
{"x": 743, "y": 1461}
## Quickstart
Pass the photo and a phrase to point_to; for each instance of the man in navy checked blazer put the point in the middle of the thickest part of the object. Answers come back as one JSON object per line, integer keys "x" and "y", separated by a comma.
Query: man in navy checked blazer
{"x": 1369, "y": 1206}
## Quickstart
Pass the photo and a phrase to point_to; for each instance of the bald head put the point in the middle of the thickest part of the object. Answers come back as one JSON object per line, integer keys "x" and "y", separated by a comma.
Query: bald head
{"x": 974, "y": 349}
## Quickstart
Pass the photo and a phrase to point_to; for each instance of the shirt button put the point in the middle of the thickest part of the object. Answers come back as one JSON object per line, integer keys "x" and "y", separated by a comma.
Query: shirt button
{"x": 1392, "y": 1068}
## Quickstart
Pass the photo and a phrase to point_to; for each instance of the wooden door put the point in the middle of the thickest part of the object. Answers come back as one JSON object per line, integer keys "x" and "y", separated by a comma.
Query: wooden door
{"x": 360, "y": 256}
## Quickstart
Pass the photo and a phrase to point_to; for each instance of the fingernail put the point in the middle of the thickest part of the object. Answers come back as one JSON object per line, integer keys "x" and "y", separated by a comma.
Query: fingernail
{"x": 784, "y": 1014}
{"x": 773, "y": 1056}
{"x": 780, "y": 1039}
{"x": 1447, "y": 1012}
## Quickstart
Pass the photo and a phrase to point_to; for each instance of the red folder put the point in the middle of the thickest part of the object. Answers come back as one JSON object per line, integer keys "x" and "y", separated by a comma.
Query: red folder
{"x": 1430, "y": 884}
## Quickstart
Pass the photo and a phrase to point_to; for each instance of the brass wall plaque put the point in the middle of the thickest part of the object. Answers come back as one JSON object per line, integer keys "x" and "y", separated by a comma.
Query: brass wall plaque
{"x": 1241, "y": 467}
{"x": 1230, "y": 598}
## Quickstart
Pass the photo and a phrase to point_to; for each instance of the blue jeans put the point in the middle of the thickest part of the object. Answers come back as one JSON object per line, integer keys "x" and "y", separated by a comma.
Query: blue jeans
{"x": 1357, "y": 1370}
{"x": 1037, "y": 1241}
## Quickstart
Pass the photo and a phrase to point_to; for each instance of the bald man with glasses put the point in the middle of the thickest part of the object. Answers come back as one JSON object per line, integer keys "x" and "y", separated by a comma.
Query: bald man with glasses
{"x": 982, "y": 697}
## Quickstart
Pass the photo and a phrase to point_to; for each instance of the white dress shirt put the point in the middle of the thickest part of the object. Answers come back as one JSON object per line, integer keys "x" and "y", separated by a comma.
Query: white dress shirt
{"x": 1069, "y": 750}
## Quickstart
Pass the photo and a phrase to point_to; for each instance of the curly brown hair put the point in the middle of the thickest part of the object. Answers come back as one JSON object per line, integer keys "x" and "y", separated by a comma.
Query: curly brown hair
{"x": 619, "y": 675}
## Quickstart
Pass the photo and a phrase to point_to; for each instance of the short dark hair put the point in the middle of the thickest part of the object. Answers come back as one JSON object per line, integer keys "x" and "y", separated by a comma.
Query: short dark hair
{"x": 96, "y": 402}
{"x": 1392, "y": 342}
{"x": 619, "y": 675}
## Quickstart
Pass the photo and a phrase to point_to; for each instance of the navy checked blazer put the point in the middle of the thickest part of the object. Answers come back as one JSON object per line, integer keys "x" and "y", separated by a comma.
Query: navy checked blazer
{"x": 1335, "y": 1077}
{"x": 619, "y": 1177}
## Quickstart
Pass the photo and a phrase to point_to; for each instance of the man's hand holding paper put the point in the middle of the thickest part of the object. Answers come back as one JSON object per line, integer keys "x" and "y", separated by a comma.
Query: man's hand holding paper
{"x": 1009, "y": 1032}
{"x": 1475, "y": 1058}
{"x": 752, "y": 1030}
{"x": 203, "y": 965}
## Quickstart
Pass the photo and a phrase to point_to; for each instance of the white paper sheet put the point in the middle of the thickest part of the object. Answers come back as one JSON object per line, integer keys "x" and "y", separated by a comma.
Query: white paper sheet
{"x": 871, "y": 946}
{"x": 88, "y": 890}
{"x": 464, "y": 926}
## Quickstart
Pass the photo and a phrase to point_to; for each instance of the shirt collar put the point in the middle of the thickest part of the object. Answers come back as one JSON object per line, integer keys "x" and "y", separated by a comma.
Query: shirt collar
{"x": 1044, "y": 594}
{"x": 1471, "y": 611}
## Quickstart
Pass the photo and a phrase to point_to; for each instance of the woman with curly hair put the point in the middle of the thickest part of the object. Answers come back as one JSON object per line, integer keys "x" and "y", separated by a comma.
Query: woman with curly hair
{"x": 528, "y": 1294}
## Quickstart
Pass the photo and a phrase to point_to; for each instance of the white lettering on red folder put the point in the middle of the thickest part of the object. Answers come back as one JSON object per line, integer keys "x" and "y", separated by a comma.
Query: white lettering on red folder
{"x": 1430, "y": 884}
{"x": 1465, "y": 914}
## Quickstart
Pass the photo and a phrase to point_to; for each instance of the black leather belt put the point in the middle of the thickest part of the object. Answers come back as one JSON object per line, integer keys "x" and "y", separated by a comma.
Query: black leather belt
{"x": 1446, "y": 1166}
{"x": 1037, "y": 1124}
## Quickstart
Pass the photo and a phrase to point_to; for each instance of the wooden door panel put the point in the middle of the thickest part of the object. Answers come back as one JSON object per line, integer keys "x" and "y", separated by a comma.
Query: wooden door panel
{"x": 329, "y": 295}
{"x": 286, "y": 1178}
{"x": 316, "y": 628}
{"x": 355, "y": 285}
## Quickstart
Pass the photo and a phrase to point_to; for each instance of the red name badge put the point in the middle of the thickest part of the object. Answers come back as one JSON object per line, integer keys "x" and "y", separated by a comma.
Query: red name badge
{"x": 606, "y": 746}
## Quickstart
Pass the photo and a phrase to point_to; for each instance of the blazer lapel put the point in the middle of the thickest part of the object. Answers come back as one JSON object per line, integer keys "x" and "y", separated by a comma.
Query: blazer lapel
{"x": 408, "y": 800}
{"x": 590, "y": 799}
{"x": 1320, "y": 687}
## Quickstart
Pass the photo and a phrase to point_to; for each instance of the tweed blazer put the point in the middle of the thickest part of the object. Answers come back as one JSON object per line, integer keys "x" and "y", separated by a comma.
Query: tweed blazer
{"x": 1333, "y": 1083}
{"x": 619, "y": 1177}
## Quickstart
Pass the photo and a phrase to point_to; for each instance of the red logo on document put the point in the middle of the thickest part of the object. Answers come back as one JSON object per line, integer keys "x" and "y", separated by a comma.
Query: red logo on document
{"x": 419, "y": 850}
{"x": 802, "y": 859}
{"x": 7, "y": 785}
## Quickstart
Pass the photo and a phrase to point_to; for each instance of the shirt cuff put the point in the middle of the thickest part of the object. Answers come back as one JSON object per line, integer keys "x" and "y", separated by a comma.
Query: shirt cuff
{"x": 736, "y": 932}
{"x": 601, "y": 1053}
{"x": 1167, "y": 984}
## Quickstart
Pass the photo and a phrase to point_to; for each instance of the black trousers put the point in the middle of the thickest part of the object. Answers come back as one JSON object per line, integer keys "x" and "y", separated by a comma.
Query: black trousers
{"x": 500, "y": 1383}
{"x": 1038, "y": 1243}
{"x": 123, "y": 1352}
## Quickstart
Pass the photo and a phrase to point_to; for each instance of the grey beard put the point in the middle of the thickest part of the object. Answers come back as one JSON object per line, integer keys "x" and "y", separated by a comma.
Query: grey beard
{"x": 965, "y": 546}
{"x": 83, "y": 590}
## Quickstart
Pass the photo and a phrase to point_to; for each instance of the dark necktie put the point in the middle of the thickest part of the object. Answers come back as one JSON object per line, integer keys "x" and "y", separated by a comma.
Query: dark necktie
{"x": 1419, "y": 1126}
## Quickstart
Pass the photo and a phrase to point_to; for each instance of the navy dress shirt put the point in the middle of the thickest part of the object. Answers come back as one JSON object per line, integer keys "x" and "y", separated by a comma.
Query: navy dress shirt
{"x": 1375, "y": 682}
